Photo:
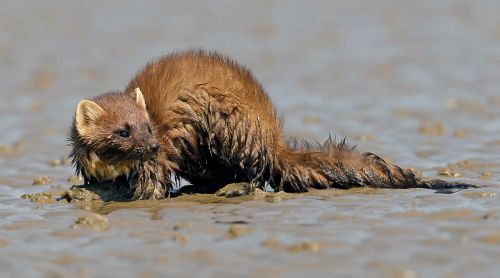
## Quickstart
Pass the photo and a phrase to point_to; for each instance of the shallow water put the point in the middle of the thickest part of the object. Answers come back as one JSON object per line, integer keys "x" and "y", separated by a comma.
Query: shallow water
{"x": 415, "y": 82}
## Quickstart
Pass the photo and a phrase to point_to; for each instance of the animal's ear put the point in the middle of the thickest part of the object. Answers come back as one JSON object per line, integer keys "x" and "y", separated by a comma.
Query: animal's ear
{"x": 139, "y": 99}
{"x": 87, "y": 114}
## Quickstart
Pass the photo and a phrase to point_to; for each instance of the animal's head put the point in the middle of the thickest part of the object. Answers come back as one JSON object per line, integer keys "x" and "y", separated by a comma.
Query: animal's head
{"x": 116, "y": 126}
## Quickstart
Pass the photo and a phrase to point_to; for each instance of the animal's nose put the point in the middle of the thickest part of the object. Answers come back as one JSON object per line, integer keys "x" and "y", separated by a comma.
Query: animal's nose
{"x": 154, "y": 146}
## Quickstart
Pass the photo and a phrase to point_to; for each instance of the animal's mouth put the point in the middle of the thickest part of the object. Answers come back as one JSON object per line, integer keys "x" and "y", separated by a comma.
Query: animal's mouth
{"x": 148, "y": 155}
{"x": 151, "y": 150}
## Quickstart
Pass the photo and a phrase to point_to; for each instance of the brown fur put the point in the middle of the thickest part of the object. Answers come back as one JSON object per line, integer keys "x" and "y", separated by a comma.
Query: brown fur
{"x": 216, "y": 125}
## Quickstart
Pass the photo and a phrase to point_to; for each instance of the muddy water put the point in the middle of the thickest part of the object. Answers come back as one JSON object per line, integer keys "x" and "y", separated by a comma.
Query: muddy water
{"x": 416, "y": 82}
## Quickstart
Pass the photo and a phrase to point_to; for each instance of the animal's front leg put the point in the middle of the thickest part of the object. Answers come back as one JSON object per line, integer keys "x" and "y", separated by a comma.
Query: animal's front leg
{"x": 153, "y": 182}
{"x": 106, "y": 191}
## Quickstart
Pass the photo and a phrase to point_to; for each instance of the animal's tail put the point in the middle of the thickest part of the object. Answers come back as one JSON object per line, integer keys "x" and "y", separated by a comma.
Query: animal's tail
{"x": 336, "y": 165}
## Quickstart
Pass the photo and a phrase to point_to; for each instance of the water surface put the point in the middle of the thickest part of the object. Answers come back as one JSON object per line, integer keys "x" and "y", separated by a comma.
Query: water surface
{"x": 416, "y": 82}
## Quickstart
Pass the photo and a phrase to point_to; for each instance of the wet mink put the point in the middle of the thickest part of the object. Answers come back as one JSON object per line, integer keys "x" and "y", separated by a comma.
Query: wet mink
{"x": 202, "y": 117}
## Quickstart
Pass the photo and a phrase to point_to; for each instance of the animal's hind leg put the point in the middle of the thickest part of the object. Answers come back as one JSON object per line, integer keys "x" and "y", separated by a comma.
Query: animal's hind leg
{"x": 236, "y": 189}
{"x": 230, "y": 190}
{"x": 240, "y": 188}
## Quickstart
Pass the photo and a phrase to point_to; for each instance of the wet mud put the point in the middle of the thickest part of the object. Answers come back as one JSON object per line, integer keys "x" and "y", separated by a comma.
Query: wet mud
{"x": 414, "y": 82}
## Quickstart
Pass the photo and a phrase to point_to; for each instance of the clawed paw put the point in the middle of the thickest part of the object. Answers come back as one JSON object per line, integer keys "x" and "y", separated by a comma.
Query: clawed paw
{"x": 235, "y": 190}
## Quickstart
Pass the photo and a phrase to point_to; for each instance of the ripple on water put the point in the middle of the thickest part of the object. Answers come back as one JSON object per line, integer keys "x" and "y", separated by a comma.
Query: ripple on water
{"x": 348, "y": 69}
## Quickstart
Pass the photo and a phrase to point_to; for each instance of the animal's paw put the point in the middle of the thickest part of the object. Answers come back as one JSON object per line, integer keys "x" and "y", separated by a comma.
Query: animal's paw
{"x": 235, "y": 189}
{"x": 79, "y": 193}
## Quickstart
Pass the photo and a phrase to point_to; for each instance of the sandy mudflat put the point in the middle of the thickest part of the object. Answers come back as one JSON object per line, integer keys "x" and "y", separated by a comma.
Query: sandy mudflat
{"x": 416, "y": 82}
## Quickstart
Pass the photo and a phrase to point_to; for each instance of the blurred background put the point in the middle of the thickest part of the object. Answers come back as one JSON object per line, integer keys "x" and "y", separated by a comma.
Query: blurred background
{"x": 416, "y": 82}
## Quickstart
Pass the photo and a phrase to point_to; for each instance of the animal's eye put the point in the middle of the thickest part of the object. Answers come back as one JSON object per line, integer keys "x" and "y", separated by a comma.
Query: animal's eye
{"x": 149, "y": 129}
{"x": 124, "y": 134}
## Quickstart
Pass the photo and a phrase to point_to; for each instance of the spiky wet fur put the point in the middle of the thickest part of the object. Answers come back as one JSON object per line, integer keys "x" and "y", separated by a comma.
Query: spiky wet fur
{"x": 216, "y": 126}
{"x": 106, "y": 160}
